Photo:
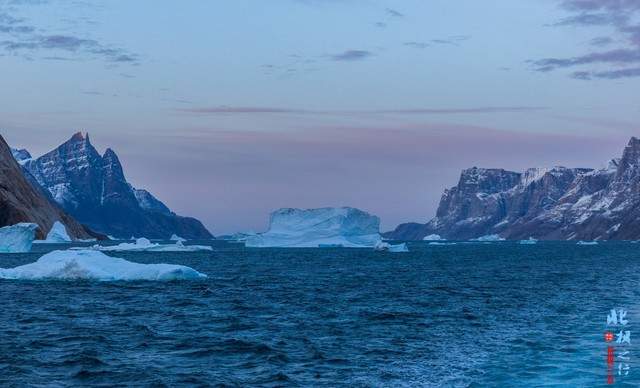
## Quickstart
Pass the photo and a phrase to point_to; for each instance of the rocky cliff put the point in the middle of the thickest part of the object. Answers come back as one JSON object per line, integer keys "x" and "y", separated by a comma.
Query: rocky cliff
{"x": 555, "y": 203}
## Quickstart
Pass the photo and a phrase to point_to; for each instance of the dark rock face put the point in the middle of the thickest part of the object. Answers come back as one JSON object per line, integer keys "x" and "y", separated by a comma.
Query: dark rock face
{"x": 558, "y": 203}
{"x": 94, "y": 190}
{"x": 21, "y": 202}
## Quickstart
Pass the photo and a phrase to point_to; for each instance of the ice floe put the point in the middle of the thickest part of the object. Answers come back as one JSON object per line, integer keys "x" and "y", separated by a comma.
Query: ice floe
{"x": 587, "y": 243}
{"x": 489, "y": 238}
{"x": 529, "y": 241}
{"x": 433, "y": 237}
{"x": 386, "y": 247}
{"x": 144, "y": 245}
{"x": 92, "y": 265}
{"x": 175, "y": 237}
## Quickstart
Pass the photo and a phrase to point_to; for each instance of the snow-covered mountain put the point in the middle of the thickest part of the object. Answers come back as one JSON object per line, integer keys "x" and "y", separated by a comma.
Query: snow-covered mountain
{"x": 93, "y": 188}
{"x": 21, "y": 202}
{"x": 555, "y": 203}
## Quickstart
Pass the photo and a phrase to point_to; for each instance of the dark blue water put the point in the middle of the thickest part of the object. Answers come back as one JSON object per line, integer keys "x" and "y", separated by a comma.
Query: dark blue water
{"x": 477, "y": 315}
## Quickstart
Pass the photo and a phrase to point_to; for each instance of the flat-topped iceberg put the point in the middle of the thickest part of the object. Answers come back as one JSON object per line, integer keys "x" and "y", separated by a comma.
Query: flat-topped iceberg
{"x": 433, "y": 237}
{"x": 311, "y": 228}
{"x": 489, "y": 238}
{"x": 144, "y": 245}
{"x": 92, "y": 265}
{"x": 17, "y": 238}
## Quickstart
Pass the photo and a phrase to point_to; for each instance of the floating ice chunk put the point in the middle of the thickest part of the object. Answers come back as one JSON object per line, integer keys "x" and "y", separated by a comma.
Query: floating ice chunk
{"x": 144, "y": 245}
{"x": 386, "y": 247}
{"x": 587, "y": 243}
{"x": 433, "y": 237}
{"x": 312, "y": 228}
{"x": 175, "y": 237}
{"x": 529, "y": 241}
{"x": 58, "y": 234}
{"x": 489, "y": 238}
{"x": 92, "y": 265}
{"x": 441, "y": 243}
{"x": 17, "y": 238}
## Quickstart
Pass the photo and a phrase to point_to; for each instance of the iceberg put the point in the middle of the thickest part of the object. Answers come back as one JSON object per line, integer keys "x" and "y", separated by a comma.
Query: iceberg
{"x": 433, "y": 237}
{"x": 58, "y": 234}
{"x": 144, "y": 245}
{"x": 175, "y": 237}
{"x": 489, "y": 238}
{"x": 386, "y": 247}
{"x": 311, "y": 228}
{"x": 92, "y": 265}
{"x": 529, "y": 241}
{"x": 587, "y": 243}
{"x": 17, "y": 238}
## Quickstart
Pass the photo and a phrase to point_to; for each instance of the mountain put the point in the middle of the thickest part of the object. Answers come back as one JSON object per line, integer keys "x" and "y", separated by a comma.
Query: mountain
{"x": 555, "y": 204}
{"x": 21, "y": 202}
{"x": 93, "y": 188}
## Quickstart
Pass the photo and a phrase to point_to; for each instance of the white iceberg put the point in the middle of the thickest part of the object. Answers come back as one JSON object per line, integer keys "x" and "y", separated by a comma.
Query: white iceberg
{"x": 386, "y": 247}
{"x": 144, "y": 245}
{"x": 175, "y": 237}
{"x": 311, "y": 228}
{"x": 58, "y": 234}
{"x": 92, "y": 265}
{"x": 433, "y": 237}
{"x": 529, "y": 241}
{"x": 489, "y": 238}
{"x": 17, "y": 238}
{"x": 587, "y": 243}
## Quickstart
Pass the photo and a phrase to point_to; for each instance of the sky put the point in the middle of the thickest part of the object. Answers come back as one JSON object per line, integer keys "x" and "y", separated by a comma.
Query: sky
{"x": 228, "y": 110}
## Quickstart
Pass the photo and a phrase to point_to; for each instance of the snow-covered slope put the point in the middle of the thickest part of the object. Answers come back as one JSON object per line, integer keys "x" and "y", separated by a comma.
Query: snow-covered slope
{"x": 92, "y": 265}
{"x": 93, "y": 189}
{"x": 344, "y": 226}
{"x": 551, "y": 203}
{"x": 17, "y": 238}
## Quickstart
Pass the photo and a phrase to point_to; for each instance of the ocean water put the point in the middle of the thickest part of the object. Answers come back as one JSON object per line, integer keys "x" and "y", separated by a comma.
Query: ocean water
{"x": 478, "y": 315}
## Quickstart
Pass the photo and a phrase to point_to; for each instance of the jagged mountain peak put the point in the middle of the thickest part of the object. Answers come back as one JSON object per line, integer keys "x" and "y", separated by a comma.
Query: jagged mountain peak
{"x": 79, "y": 136}
{"x": 93, "y": 188}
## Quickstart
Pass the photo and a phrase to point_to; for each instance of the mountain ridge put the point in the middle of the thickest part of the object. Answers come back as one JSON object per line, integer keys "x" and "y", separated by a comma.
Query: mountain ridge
{"x": 557, "y": 203}
{"x": 93, "y": 188}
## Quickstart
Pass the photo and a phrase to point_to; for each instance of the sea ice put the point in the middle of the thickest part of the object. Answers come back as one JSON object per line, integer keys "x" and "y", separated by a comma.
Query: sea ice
{"x": 433, "y": 237}
{"x": 92, "y": 265}
{"x": 386, "y": 247}
{"x": 489, "y": 238}
{"x": 175, "y": 237}
{"x": 587, "y": 243}
{"x": 530, "y": 241}
{"x": 17, "y": 238}
{"x": 311, "y": 228}
{"x": 144, "y": 245}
